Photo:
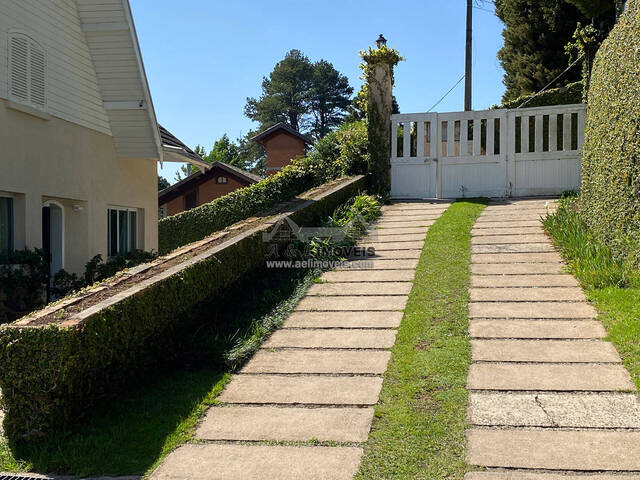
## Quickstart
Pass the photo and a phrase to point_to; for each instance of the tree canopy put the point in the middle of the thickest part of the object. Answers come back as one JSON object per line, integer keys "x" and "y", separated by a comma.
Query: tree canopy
{"x": 310, "y": 97}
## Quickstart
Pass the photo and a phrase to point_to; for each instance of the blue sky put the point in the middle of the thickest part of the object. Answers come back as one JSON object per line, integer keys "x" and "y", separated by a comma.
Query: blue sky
{"x": 204, "y": 58}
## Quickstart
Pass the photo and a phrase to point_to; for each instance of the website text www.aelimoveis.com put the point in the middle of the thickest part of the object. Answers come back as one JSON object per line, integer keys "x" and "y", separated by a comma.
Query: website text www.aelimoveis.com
{"x": 322, "y": 264}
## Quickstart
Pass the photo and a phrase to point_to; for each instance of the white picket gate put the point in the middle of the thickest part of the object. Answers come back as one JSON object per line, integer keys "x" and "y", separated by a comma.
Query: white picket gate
{"x": 490, "y": 153}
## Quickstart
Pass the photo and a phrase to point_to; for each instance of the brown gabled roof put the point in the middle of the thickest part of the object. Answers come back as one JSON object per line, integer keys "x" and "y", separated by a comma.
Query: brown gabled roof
{"x": 281, "y": 127}
{"x": 195, "y": 179}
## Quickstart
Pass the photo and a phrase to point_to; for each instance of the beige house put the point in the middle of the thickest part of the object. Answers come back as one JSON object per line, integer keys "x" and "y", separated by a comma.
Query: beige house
{"x": 79, "y": 137}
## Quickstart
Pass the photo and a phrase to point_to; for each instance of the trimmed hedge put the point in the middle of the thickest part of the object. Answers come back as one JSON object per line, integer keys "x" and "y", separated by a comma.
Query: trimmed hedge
{"x": 610, "y": 196}
{"x": 51, "y": 376}
{"x": 342, "y": 152}
{"x": 567, "y": 95}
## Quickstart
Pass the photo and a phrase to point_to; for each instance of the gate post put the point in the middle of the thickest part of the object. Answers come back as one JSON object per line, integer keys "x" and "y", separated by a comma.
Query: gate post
{"x": 378, "y": 73}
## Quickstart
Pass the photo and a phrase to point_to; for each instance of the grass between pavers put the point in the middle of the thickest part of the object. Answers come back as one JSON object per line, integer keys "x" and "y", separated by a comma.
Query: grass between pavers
{"x": 133, "y": 434}
{"x": 419, "y": 426}
{"x": 611, "y": 284}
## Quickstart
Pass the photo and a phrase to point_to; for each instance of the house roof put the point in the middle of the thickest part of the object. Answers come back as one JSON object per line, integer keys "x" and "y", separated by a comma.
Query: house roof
{"x": 277, "y": 128}
{"x": 175, "y": 150}
{"x": 197, "y": 178}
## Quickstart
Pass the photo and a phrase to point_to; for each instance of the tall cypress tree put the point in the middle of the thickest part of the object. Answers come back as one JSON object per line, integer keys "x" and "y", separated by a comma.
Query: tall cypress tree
{"x": 535, "y": 35}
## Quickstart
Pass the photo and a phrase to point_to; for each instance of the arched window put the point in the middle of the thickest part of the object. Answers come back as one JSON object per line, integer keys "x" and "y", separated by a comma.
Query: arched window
{"x": 27, "y": 71}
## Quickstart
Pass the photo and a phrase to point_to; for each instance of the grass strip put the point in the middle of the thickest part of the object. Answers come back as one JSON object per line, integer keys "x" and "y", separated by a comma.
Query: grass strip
{"x": 611, "y": 284}
{"x": 419, "y": 426}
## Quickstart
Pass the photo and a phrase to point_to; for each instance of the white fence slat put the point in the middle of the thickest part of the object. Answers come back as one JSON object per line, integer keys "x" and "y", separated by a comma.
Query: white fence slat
{"x": 464, "y": 138}
{"x": 434, "y": 138}
{"x": 581, "y": 127}
{"x": 491, "y": 126}
{"x": 553, "y": 133}
{"x": 524, "y": 129}
{"x": 394, "y": 139}
{"x": 538, "y": 133}
{"x": 451, "y": 138}
{"x": 477, "y": 136}
{"x": 406, "y": 140}
{"x": 566, "y": 132}
{"x": 420, "y": 139}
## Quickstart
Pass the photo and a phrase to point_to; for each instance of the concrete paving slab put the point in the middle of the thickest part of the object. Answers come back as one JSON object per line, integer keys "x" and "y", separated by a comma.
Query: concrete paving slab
{"x": 558, "y": 310}
{"x": 554, "y": 450}
{"x": 409, "y": 218}
{"x": 487, "y": 328}
{"x": 343, "y": 320}
{"x": 528, "y": 475}
{"x": 516, "y": 268}
{"x": 390, "y": 255}
{"x": 353, "y": 303}
{"x": 408, "y": 224}
{"x": 286, "y": 424}
{"x": 319, "y": 361}
{"x": 507, "y": 224}
{"x": 408, "y": 264}
{"x": 331, "y": 338}
{"x": 498, "y": 281}
{"x": 259, "y": 462}
{"x": 395, "y": 206}
{"x": 311, "y": 390}
{"x": 363, "y": 288}
{"x": 391, "y": 246}
{"x": 379, "y": 236}
{"x": 565, "y": 410}
{"x": 543, "y": 351}
{"x": 513, "y": 248}
{"x": 512, "y": 216}
{"x": 551, "y": 257}
{"x": 341, "y": 276}
{"x": 549, "y": 377}
{"x": 477, "y": 232}
{"x": 398, "y": 230}
{"x": 509, "y": 239}
{"x": 524, "y": 294}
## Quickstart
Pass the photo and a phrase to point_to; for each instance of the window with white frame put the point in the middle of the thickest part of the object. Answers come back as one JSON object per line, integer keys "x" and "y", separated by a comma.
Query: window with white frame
{"x": 223, "y": 180}
{"x": 27, "y": 71}
{"x": 162, "y": 211}
{"x": 122, "y": 230}
{"x": 6, "y": 226}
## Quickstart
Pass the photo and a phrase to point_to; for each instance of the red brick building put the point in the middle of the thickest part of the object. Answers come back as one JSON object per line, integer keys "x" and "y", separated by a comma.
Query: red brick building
{"x": 200, "y": 188}
{"x": 282, "y": 144}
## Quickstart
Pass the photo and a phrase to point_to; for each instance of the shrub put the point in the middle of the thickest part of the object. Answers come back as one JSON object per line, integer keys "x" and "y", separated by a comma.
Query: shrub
{"x": 23, "y": 280}
{"x": 592, "y": 262}
{"x": 610, "y": 196}
{"x": 567, "y": 95}
{"x": 52, "y": 375}
{"x": 330, "y": 159}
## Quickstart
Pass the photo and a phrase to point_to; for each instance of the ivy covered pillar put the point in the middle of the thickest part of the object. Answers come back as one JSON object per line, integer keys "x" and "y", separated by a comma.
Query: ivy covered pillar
{"x": 378, "y": 75}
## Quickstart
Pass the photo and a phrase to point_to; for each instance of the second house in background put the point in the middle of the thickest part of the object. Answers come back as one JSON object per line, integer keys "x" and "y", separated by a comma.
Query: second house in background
{"x": 200, "y": 188}
{"x": 282, "y": 144}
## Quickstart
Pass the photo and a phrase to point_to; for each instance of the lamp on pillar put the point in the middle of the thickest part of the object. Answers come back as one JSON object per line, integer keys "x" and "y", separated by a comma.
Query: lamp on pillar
{"x": 381, "y": 41}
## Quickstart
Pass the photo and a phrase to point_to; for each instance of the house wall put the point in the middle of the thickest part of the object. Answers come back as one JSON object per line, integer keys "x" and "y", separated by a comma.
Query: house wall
{"x": 207, "y": 191}
{"x": 73, "y": 92}
{"x": 281, "y": 149}
{"x": 58, "y": 160}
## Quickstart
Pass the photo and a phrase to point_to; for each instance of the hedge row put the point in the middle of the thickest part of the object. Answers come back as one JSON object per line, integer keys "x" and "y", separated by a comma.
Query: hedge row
{"x": 341, "y": 153}
{"x": 610, "y": 197}
{"x": 567, "y": 95}
{"x": 51, "y": 376}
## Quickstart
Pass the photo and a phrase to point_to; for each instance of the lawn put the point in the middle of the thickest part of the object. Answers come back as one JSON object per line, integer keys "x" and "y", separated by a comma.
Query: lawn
{"x": 133, "y": 434}
{"x": 611, "y": 284}
{"x": 419, "y": 426}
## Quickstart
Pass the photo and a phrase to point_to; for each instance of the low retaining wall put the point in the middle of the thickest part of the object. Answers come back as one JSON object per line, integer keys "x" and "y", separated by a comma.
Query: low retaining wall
{"x": 51, "y": 374}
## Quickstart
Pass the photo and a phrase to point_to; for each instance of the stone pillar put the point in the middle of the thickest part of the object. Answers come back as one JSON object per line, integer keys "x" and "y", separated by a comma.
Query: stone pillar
{"x": 378, "y": 67}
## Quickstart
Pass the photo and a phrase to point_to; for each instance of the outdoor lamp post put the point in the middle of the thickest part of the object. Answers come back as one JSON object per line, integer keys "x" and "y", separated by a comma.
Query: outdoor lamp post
{"x": 381, "y": 41}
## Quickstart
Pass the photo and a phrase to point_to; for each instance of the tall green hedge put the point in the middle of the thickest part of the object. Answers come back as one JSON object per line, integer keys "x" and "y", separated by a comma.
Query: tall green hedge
{"x": 567, "y": 95}
{"x": 342, "y": 152}
{"x": 610, "y": 197}
{"x": 51, "y": 376}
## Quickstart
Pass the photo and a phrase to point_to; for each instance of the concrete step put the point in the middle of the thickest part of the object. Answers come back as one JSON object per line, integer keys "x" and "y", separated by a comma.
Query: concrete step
{"x": 515, "y": 328}
{"x": 529, "y": 475}
{"x": 509, "y": 239}
{"x": 353, "y": 303}
{"x": 404, "y": 275}
{"x": 547, "y": 294}
{"x": 363, "y": 288}
{"x": 513, "y": 248}
{"x": 561, "y": 351}
{"x": 319, "y": 361}
{"x": 327, "y": 338}
{"x": 558, "y": 310}
{"x": 343, "y": 320}
{"x": 548, "y": 257}
{"x": 488, "y": 281}
{"x": 517, "y": 268}
{"x": 477, "y": 232}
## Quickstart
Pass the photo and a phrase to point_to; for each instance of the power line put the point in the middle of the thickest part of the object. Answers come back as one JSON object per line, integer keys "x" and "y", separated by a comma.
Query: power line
{"x": 553, "y": 81}
{"x": 447, "y": 94}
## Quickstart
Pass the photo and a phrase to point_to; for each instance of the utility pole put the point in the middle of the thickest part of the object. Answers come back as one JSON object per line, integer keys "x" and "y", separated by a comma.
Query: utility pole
{"x": 469, "y": 57}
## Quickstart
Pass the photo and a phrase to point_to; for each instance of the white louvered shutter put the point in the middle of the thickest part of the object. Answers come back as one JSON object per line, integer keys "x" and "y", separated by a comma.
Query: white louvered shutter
{"x": 19, "y": 67}
{"x": 37, "y": 70}
{"x": 27, "y": 71}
